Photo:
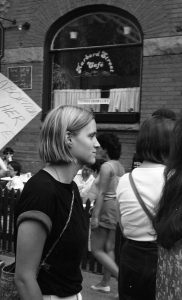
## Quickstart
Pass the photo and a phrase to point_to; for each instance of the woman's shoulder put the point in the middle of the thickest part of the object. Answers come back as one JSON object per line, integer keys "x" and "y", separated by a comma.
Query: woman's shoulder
{"x": 106, "y": 169}
{"x": 40, "y": 177}
{"x": 115, "y": 167}
{"x": 149, "y": 170}
{"x": 105, "y": 166}
{"x": 38, "y": 195}
{"x": 40, "y": 183}
{"x": 124, "y": 177}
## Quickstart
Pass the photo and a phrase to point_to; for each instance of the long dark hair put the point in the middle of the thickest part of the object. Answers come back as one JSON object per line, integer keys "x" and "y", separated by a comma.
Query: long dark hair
{"x": 154, "y": 139}
{"x": 111, "y": 143}
{"x": 168, "y": 220}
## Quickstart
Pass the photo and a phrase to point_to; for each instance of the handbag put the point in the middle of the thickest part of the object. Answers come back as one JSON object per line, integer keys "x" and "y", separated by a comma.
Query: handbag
{"x": 8, "y": 290}
{"x": 140, "y": 200}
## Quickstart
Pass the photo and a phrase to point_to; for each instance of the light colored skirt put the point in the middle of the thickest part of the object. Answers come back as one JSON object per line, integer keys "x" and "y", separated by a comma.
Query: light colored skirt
{"x": 74, "y": 297}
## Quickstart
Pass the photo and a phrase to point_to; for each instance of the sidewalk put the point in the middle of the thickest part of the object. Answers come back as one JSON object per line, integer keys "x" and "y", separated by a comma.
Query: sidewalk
{"x": 89, "y": 279}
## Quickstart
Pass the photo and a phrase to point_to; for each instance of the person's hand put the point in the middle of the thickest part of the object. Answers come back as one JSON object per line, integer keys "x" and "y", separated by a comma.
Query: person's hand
{"x": 94, "y": 222}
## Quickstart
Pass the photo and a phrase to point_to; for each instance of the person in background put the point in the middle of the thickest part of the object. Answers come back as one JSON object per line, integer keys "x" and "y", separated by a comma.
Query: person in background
{"x": 14, "y": 170}
{"x": 165, "y": 113}
{"x": 93, "y": 191}
{"x": 136, "y": 162}
{"x": 84, "y": 180}
{"x": 3, "y": 168}
{"x": 50, "y": 211}
{"x": 7, "y": 156}
{"x": 168, "y": 224}
{"x": 138, "y": 256}
{"x": 104, "y": 215}
{"x": 160, "y": 113}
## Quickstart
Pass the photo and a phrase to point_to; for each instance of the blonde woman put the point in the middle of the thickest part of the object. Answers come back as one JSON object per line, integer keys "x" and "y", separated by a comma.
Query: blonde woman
{"x": 49, "y": 201}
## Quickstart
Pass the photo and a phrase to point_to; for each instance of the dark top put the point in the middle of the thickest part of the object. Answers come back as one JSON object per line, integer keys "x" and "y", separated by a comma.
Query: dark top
{"x": 48, "y": 201}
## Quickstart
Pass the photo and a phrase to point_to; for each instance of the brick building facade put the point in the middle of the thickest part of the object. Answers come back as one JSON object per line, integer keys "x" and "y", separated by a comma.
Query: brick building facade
{"x": 161, "y": 66}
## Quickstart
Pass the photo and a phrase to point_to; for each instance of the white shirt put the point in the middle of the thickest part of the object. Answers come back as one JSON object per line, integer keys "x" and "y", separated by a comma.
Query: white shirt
{"x": 149, "y": 180}
{"x": 15, "y": 183}
{"x": 84, "y": 185}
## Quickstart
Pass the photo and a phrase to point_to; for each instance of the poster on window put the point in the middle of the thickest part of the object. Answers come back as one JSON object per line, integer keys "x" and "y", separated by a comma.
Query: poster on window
{"x": 17, "y": 109}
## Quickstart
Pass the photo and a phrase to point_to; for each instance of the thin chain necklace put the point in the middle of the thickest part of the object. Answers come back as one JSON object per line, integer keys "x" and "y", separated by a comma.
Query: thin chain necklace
{"x": 56, "y": 172}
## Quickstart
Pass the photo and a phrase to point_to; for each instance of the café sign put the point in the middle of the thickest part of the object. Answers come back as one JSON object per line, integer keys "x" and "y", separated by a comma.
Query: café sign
{"x": 94, "y": 62}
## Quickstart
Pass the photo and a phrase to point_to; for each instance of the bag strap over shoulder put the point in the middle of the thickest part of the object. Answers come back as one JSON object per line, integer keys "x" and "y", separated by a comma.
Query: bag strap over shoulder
{"x": 140, "y": 200}
{"x": 43, "y": 263}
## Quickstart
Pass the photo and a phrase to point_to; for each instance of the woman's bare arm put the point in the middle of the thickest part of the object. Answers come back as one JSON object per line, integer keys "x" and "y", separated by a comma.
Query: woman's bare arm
{"x": 103, "y": 183}
{"x": 30, "y": 242}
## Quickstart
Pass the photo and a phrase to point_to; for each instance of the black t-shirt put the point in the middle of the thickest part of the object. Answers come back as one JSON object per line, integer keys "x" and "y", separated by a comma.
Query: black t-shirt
{"x": 48, "y": 201}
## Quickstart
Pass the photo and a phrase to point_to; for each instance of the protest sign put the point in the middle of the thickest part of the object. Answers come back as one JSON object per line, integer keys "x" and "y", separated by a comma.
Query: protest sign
{"x": 17, "y": 109}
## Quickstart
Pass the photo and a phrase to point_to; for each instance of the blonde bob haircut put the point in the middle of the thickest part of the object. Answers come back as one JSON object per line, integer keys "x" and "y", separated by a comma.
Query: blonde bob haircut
{"x": 53, "y": 147}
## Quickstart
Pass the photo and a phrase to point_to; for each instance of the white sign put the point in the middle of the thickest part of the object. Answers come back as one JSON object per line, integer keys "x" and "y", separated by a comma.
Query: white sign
{"x": 101, "y": 57}
{"x": 17, "y": 109}
{"x": 94, "y": 101}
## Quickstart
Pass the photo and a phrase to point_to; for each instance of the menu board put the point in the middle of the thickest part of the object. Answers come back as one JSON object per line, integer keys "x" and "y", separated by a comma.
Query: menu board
{"x": 21, "y": 76}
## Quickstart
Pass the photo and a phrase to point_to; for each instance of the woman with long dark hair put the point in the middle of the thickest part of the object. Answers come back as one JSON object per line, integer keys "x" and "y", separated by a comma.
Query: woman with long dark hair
{"x": 138, "y": 256}
{"x": 168, "y": 225}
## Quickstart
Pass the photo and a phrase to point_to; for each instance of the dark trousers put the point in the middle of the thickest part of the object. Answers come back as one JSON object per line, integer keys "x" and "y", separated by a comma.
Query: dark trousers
{"x": 137, "y": 270}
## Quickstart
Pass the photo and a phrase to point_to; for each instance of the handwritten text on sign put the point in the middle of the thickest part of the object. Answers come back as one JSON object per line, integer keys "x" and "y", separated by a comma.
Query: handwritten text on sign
{"x": 16, "y": 110}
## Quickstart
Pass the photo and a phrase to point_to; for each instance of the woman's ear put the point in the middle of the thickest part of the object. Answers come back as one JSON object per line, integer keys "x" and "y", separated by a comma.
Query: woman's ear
{"x": 68, "y": 139}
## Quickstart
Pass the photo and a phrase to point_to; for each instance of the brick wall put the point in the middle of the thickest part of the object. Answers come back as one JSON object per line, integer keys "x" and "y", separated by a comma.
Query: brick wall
{"x": 161, "y": 71}
{"x": 157, "y": 18}
{"x": 161, "y": 83}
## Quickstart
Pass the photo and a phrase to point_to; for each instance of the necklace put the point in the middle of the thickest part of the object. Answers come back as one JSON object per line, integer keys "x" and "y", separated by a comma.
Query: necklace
{"x": 53, "y": 172}
{"x": 56, "y": 172}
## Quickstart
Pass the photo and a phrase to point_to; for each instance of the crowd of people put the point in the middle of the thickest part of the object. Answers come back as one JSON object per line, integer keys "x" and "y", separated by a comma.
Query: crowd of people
{"x": 145, "y": 204}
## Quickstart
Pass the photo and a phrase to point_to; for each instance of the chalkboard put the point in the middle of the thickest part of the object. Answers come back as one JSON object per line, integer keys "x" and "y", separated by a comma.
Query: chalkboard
{"x": 21, "y": 76}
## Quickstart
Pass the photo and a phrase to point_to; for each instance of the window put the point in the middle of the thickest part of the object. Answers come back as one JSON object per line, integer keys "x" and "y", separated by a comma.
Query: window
{"x": 95, "y": 62}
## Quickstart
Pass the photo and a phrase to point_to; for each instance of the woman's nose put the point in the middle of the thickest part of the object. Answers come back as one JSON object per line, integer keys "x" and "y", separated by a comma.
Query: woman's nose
{"x": 97, "y": 145}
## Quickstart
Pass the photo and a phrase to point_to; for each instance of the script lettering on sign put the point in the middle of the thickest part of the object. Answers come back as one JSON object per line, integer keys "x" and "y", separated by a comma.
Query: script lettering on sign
{"x": 94, "y": 62}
